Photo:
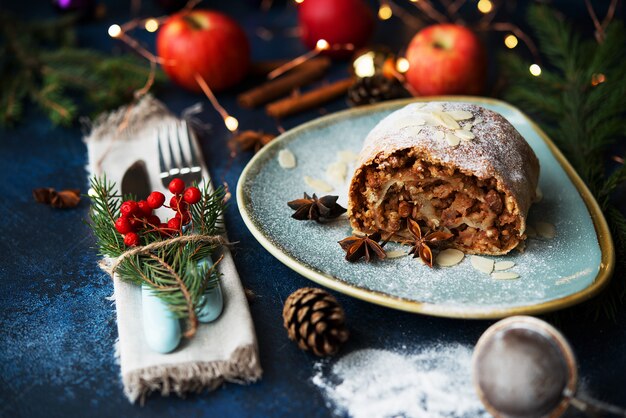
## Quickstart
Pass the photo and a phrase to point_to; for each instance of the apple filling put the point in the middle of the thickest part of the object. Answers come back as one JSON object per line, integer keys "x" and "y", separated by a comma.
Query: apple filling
{"x": 406, "y": 185}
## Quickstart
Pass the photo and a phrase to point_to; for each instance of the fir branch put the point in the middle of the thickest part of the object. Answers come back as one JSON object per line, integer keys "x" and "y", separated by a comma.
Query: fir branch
{"x": 39, "y": 63}
{"x": 583, "y": 117}
{"x": 105, "y": 209}
{"x": 179, "y": 274}
{"x": 206, "y": 214}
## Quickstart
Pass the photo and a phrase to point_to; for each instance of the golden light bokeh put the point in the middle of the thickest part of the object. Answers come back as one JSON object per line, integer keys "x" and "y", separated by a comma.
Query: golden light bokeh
{"x": 402, "y": 65}
{"x": 535, "y": 70}
{"x": 152, "y": 25}
{"x": 231, "y": 123}
{"x": 115, "y": 31}
{"x": 299, "y": 1}
{"x": 322, "y": 45}
{"x": 385, "y": 12}
{"x": 364, "y": 65}
{"x": 597, "y": 78}
{"x": 510, "y": 41}
{"x": 484, "y": 6}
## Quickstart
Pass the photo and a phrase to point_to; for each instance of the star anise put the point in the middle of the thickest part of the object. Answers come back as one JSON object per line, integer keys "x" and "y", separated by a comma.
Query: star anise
{"x": 57, "y": 199}
{"x": 252, "y": 140}
{"x": 365, "y": 246}
{"x": 316, "y": 209}
{"x": 421, "y": 245}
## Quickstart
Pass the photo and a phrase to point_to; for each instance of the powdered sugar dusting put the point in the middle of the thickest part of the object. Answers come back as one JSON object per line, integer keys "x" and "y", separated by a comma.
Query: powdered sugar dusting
{"x": 497, "y": 149}
{"x": 433, "y": 382}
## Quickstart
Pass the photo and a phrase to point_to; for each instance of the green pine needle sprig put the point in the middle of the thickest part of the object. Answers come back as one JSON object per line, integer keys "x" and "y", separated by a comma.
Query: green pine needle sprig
{"x": 40, "y": 64}
{"x": 583, "y": 117}
{"x": 179, "y": 273}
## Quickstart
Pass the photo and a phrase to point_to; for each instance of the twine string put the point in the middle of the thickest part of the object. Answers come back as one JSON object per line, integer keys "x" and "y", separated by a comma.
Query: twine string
{"x": 211, "y": 239}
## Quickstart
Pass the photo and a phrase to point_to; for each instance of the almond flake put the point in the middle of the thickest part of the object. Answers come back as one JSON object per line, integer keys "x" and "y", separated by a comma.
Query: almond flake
{"x": 446, "y": 120}
{"x": 538, "y": 195}
{"x": 505, "y": 275}
{"x": 286, "y": 159}
{"x": 482, "y": 264}
{"x": 396, "y": 254}
{"x": 460, "y": 114}
{"x": 319, "y": 185}
{"x": 434, "y": 107}
{"x": 545, "y": 230}
{"x": 412, "y": 130}
{"x": 464, "y": 135}
{"x": 503, "y": 265}
{"x": 439, "y": 135}
{"x": 337, "y": 171}
{"x": 449, "y": 257}
{"x": 347, "y": 156}
{"x": 452, "y": 139}
{"x": 477, "y": 121}
{"x": 531, "y": 232}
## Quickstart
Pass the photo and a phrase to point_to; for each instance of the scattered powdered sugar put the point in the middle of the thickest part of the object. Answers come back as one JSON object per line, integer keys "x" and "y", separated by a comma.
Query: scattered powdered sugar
{"x": 433, "y": 382}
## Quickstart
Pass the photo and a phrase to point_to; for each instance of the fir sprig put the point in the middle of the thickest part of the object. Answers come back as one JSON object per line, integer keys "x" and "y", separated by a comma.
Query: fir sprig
{"x": 180, "y": 273}
{"x": 582, "y": 115}
{"x": 40, "y": 63}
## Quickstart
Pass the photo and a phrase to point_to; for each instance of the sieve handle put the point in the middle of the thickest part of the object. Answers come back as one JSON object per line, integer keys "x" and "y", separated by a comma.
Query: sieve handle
{"x": 595, "y": 408}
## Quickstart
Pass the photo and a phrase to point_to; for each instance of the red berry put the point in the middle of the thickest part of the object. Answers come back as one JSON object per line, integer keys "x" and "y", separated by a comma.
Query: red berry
{"x": 129, "y": 208}
{"x": 131, "y": 239}
{"x": 174, "y": 223}
{"x": 123, "y": 226}
{"x": 144, "y": 208}
{"x": 156, "y": 200}
{"x": 154, "y": 220}
{"x": 177, "y": 186}
{"x": 186, "y": 217}
{"x": 176, "y": 203}
{"x": 192, "y": 195}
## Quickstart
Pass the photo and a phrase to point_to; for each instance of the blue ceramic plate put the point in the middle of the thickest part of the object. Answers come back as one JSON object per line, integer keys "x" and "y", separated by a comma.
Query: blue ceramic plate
{"x": 553, "y": 273}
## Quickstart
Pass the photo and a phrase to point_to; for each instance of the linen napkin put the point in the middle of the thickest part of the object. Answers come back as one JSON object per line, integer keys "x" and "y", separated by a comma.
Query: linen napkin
{"x": 224, "y": 350}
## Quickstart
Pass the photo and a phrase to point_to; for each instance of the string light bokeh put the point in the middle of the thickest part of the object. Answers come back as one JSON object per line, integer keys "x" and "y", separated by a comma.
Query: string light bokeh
{"x": 384, "y": 12}
{"x": 535, "y": 70}
{"x": 510, "y": 41}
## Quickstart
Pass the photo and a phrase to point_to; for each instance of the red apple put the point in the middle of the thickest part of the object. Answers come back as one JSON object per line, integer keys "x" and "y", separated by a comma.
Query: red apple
{"x": 446, "y": 59}
{"x": 204, "y": 42}
{"x": 336, "y": 21}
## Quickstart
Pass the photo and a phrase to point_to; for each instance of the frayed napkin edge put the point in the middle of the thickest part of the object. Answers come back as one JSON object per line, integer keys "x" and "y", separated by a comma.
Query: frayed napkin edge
{"x": 196, "y": 377}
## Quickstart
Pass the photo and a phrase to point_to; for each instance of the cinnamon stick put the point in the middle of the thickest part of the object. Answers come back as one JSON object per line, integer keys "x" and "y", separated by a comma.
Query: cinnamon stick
{"x": 302, "y": 75}
{"x": 308, "y": 100}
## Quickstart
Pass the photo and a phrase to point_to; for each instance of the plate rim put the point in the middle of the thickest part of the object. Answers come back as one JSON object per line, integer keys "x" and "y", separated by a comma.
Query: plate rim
{"x": 605, "y": 241}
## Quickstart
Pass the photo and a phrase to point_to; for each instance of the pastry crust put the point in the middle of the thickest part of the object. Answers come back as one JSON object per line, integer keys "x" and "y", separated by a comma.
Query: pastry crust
{"x": 449, "y": 165}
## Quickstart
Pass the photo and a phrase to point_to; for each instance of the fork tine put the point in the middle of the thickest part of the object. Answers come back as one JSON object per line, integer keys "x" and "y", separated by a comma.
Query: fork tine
{"x": 162, "y": 167}
{"x": 184, "y": 164}
{"x": 195, "y": 163}
{"x": 174, "y": 165}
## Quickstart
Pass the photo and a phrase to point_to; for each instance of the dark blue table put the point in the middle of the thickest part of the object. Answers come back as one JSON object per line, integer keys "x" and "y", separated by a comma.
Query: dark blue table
{"x": 57, "y": 329}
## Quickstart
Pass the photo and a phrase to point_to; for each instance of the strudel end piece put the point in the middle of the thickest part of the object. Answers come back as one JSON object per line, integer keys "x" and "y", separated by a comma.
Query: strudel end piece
{"x": 447, "y": 165}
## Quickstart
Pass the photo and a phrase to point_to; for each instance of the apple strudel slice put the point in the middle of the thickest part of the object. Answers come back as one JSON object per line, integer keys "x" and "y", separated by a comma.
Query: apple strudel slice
{"x": 448, "y": 165}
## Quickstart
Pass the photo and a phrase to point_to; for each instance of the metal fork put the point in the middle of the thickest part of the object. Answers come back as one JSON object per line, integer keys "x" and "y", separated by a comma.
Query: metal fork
{"x": 172, "y": 160}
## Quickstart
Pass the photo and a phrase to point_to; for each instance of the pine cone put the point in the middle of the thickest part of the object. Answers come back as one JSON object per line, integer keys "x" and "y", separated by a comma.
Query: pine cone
{"x": 375, "y": 89}
{"x": 314, "y": 319}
